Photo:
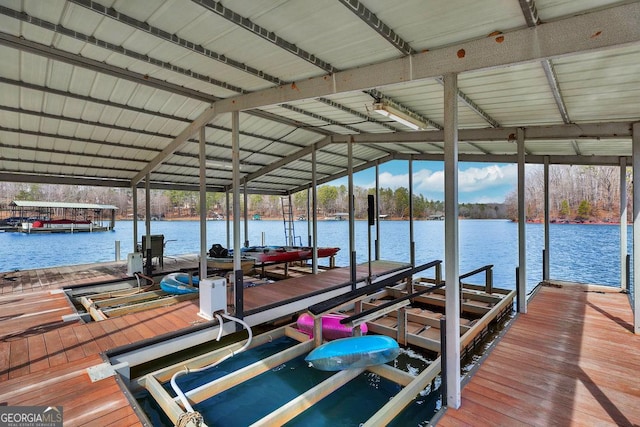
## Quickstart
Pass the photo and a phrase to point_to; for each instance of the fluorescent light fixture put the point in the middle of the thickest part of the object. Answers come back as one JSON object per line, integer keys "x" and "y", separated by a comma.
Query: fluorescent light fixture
{"x": 399, "y": 116}
{"x": 218, "y": 164}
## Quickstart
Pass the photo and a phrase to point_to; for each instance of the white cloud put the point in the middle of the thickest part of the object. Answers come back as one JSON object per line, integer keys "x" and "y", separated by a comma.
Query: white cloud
{"x": 483, "y": 180}
{"x": 478, "y": 179}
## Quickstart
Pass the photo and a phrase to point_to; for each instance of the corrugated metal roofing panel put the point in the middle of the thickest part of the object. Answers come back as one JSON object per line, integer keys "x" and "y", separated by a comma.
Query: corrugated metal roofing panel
{"x": 436, "y": 24}
{"x": 601, "y": 86}
{"x": 513, "y": 95}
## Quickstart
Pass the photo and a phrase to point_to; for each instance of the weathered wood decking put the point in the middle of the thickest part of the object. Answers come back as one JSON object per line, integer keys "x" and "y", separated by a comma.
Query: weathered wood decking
{"x": 571, "y": 360}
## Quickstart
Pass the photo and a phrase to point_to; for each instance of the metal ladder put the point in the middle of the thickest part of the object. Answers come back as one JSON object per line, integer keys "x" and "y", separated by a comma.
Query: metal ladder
{"x": 289, "y": 227}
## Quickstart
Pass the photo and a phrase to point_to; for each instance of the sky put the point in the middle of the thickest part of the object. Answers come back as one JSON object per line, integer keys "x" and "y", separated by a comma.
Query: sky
{"x": 477, "y": 182}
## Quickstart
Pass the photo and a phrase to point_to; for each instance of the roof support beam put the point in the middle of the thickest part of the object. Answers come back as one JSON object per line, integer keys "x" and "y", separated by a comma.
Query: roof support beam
{"x": 473, "y": 106}
{"x": 179, "y": 41}
{"x": 582, "y": 33}
{"x": 100, "y": 67}
{"x": 275, "y": 165}
{"x": 243, "y": 22}
{"x": 378, "y": 26}
{"x": 602, "y": 131}
{"x": 59, "y": 29}
{"x": 530, "y": 12}
{"x": 174, "y": 145}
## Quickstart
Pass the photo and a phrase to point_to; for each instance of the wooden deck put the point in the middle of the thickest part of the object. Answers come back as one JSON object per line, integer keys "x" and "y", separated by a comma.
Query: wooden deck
{"x": 43, "y": 359}
{"x": 571, "y": 360}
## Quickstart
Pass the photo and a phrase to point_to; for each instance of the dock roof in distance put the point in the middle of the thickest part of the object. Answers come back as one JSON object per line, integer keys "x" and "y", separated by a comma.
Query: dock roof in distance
{"x": 64, "y": 205}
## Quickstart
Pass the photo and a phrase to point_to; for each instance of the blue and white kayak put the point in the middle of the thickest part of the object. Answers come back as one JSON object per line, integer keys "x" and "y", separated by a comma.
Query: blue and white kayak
{"x": 178, "y": 283}
{"x": 353, "y": 352}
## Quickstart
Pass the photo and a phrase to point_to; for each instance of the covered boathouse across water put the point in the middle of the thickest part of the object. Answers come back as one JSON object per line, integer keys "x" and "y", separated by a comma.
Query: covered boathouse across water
{"x": 295, "y": 94}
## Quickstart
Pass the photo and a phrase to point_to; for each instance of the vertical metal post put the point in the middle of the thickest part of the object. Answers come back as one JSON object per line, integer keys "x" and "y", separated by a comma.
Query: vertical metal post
{"x": 134, "y": 201}
{"x": 545, "y": 254}
{"x": 451, "y": 255}
{"x": 147, "y": 224}
{"x": 623, "y": 224}
{"x": 412, "y": 243}
{"x": 377, "y": 244}
{"x": 237, "y": 268}
{"x": 246, "y": 212}
{"x": 352, "y": 244}
{"x": 147, "y": 209}
{"x": 636, "y": 227}
{"x": 117, "y": 250}
{"x": 203, "y": 205}
{"x": 522, "y": 223}
{"x": 309, "y": 217}
{"x": 517, "y": 286}
{"x": 228, "y": 218}
{"x": 443, "y": 359}
{"x": 314, "y": 187}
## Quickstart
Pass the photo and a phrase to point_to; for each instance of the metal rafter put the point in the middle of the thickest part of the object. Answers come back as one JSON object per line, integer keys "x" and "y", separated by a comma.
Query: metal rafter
{"x": 256, "y": 113}
{"x": 378, "y": 26}
{"x": 380, "y": 97}
{"x": 403, "y": 46}
{"x": 19, "y": 43}
{"x": 76, "y": 35}
{"x": 530, "y": 12}
{"x": 173, "y": 38}
{"x": 86, "y": 141}
{"x": 473, "y": 106}
{"x": 243, "y": 22}
{"x": 364, "y": 117}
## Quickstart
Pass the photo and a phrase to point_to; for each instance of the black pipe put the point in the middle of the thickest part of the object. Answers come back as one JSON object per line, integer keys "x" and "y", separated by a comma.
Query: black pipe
{"x": 148, "y": 267}
{"x": 518, "y": 296}
{"x": 443, "y": 359}
{"x": 628, "y": 270}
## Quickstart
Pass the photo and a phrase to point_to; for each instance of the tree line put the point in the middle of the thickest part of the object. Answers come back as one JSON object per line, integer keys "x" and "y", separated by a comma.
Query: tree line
{"x": 577, "y": 193}
{"x": 169, "y": 204}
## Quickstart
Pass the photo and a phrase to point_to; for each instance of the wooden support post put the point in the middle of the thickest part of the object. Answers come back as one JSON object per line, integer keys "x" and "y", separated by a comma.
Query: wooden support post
{"x": 402, "y": 327}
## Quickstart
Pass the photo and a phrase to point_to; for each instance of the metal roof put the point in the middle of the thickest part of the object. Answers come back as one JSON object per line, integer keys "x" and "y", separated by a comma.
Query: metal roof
{"x": 64, "y": 205}
{"x": 104, "y": 92}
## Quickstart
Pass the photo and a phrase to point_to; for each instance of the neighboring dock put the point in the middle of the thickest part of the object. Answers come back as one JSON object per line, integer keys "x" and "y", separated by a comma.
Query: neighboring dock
{"x": 571, "y": 360}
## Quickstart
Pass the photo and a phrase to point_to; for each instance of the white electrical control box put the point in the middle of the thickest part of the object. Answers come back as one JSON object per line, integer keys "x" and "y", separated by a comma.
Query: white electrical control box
{"x": 134, "y": 263}
{"x": 213, "y": 296}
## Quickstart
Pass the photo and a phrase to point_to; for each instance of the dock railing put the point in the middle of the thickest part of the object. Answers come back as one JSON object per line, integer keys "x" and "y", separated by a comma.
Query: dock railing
{"x": 488, "y": 281}
{"x": 326, "y": 306}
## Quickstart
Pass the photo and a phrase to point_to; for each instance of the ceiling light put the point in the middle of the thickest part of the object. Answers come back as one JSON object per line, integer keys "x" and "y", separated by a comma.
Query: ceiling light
{"x": 399, "y": 116}
{"x": 219, "y": 164}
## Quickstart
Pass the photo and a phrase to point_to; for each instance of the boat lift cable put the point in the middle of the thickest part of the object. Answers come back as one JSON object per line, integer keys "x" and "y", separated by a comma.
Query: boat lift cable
{"x": 179, "y": 393}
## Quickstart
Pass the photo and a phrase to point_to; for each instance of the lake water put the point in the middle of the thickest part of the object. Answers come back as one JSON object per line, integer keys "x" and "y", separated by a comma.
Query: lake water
{"x": 579, "y": 252}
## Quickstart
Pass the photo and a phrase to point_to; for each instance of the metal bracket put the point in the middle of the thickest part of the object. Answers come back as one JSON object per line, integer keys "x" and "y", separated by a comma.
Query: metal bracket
{"x": 106, "y": 370}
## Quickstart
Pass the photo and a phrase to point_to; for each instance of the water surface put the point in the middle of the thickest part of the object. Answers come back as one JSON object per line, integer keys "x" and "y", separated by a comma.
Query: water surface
{"x": 579, "y": 252}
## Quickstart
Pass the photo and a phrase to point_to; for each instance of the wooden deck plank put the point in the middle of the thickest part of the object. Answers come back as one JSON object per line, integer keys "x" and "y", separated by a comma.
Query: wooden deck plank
{"x": 124, "y": 328}
{"x": 55, "y": 348}
{"x": 18, "y": 358}
{"x": 71, "y": 344}
{"x": 38, "y": 357}
{"x": 135, "y": 320}
{"x": 101, "y": 336}
{"x": 85, "y": 340}
{"x": 45, "y": 380}
{"x": 571, "y": 360}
